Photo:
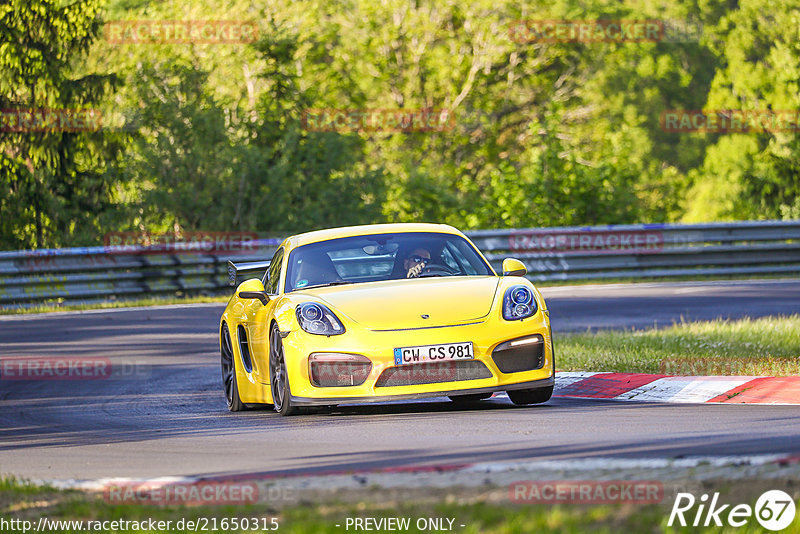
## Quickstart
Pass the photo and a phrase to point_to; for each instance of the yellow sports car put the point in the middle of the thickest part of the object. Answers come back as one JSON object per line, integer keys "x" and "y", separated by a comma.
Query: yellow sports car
{"x": 383, "y": 312}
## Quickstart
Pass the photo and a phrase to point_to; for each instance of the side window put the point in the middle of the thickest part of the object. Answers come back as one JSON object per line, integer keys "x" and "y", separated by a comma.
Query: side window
{"x": 274, "y": 273}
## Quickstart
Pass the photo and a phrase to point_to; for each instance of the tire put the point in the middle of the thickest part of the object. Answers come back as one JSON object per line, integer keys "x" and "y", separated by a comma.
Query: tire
{"x": 230, "y": 387}
{"x": 469, "y": 399}
{"x": 521, "y": 397}
{"x": 278, "y": 378}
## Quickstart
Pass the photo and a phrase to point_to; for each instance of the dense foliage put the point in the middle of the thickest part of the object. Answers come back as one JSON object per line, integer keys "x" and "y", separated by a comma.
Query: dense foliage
{"x": 545, "y": 132}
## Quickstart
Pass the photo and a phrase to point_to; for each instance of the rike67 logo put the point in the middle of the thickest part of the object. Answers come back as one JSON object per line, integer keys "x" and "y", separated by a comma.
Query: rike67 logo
{"x": 774, "y": 510}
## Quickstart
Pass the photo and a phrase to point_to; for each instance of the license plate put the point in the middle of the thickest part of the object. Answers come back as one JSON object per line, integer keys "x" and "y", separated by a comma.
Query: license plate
{"x": 434, "y": 353}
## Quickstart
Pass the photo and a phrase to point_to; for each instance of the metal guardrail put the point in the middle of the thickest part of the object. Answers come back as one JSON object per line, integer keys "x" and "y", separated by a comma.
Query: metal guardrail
{"x": 89, "y": 274}
{"x": 570, "y": 253}
{"x": 647, "y": 250}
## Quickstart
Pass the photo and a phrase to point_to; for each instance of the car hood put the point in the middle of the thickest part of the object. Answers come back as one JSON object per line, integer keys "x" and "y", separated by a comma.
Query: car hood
{"x": 400, "y": 304}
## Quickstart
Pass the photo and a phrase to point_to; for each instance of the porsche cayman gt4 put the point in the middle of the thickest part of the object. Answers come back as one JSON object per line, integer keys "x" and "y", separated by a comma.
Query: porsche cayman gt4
{"x": 383, "y": 312}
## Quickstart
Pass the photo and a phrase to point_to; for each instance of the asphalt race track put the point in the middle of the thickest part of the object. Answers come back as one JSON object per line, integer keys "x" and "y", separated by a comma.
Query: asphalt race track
{"x": 645, "y": 305}
{"x": 169, "y": 418}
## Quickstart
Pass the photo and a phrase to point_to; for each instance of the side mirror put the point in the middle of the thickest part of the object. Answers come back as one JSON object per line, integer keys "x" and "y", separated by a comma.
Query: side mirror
{"x": 260, "y": 295}
{"x": 253, "y": 289}
{"x": 513, "y": 267}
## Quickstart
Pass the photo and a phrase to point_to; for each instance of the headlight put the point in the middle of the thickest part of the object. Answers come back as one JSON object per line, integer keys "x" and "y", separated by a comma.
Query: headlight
{"x": 518, "y": 303}
{"x": 318, "y": 319}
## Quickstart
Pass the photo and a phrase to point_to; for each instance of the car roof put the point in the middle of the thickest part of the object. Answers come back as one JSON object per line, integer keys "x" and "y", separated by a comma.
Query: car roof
{"x": 366, "y": 229}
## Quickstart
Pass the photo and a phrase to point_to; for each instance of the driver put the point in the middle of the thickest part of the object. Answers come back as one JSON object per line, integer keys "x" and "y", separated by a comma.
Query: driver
{"x": 416, "y": 261}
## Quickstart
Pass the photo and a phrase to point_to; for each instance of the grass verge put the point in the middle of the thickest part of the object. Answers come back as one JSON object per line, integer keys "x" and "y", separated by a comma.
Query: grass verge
{"x": 23, "y": 502}
{"x": 768, "y": 346}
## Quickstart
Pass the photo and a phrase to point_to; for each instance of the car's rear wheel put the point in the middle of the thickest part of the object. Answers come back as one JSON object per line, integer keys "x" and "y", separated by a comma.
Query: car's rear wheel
{"x": 522, "y": 397}
{"x": 469, "y": 399}
{"x": 229, "y": 385}
{"x": 279, "y": 378}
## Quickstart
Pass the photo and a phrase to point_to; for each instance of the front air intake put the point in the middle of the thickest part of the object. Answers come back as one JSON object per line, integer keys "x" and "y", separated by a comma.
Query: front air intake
{"x": 432, "y": 373}
{"x": 328, "y": 370}
{"x": 518, "y": 355}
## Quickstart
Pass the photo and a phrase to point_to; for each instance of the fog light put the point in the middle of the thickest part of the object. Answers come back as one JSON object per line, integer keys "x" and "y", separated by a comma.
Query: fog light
{"x": 333, "y": 369}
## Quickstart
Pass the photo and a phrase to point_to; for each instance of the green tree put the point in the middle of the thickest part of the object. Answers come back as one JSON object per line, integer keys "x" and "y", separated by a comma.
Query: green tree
{"x": 545, "y": 133}
{"x": 52, "y": 182}
{"x": 599, "y": 105}
{"x": 203, "y": 161}
{"x": 753, "y": 175}
{"x": 291, "y": 178}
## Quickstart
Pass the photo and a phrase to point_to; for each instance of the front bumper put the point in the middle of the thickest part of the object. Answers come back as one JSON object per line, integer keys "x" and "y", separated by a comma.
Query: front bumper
{"x": 309, "y": 401}
{"x": 379, "y": 346}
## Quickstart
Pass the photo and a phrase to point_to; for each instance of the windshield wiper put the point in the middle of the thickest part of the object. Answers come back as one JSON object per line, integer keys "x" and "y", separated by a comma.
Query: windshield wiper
{"x": 334, "y": 283}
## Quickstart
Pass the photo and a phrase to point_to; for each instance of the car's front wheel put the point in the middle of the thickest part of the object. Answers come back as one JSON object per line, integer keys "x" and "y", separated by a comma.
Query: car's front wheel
{"x": 229, "y": 385}
{"x": 279, "y": 378}
{"x": 522, "y": 397}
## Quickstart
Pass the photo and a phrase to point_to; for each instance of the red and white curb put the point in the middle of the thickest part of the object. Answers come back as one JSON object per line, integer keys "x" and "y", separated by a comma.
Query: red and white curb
{"x": 679, "y": 389}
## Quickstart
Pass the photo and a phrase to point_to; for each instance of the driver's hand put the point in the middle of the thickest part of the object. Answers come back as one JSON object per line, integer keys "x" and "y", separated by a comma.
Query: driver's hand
{"x": 416, "y": 270}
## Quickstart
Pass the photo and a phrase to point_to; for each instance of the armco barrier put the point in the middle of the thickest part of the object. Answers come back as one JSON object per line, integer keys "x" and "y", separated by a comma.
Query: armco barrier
{"x": 89, "y": 274}
{"x": 647, "y": 250}
{"x": 570, "y": 253}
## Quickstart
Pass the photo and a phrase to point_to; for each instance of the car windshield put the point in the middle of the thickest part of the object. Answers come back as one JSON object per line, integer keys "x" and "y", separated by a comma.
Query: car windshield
{"x": 372, "y": 258}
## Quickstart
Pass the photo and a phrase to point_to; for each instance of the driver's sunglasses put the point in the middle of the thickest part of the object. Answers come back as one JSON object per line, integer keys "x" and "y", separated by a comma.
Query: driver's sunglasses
{"x": 418, "y": 259}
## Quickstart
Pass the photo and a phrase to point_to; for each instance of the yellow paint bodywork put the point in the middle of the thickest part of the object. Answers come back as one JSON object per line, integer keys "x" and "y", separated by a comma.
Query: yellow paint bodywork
{"x": 385, "y": 305}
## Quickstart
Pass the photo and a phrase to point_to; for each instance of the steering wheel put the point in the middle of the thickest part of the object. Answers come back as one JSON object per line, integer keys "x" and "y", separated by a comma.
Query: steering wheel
{"x": 433, "y": 268}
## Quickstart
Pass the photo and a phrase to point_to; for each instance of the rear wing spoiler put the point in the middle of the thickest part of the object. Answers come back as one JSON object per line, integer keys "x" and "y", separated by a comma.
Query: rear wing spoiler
{"x": 245, "y": 267}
